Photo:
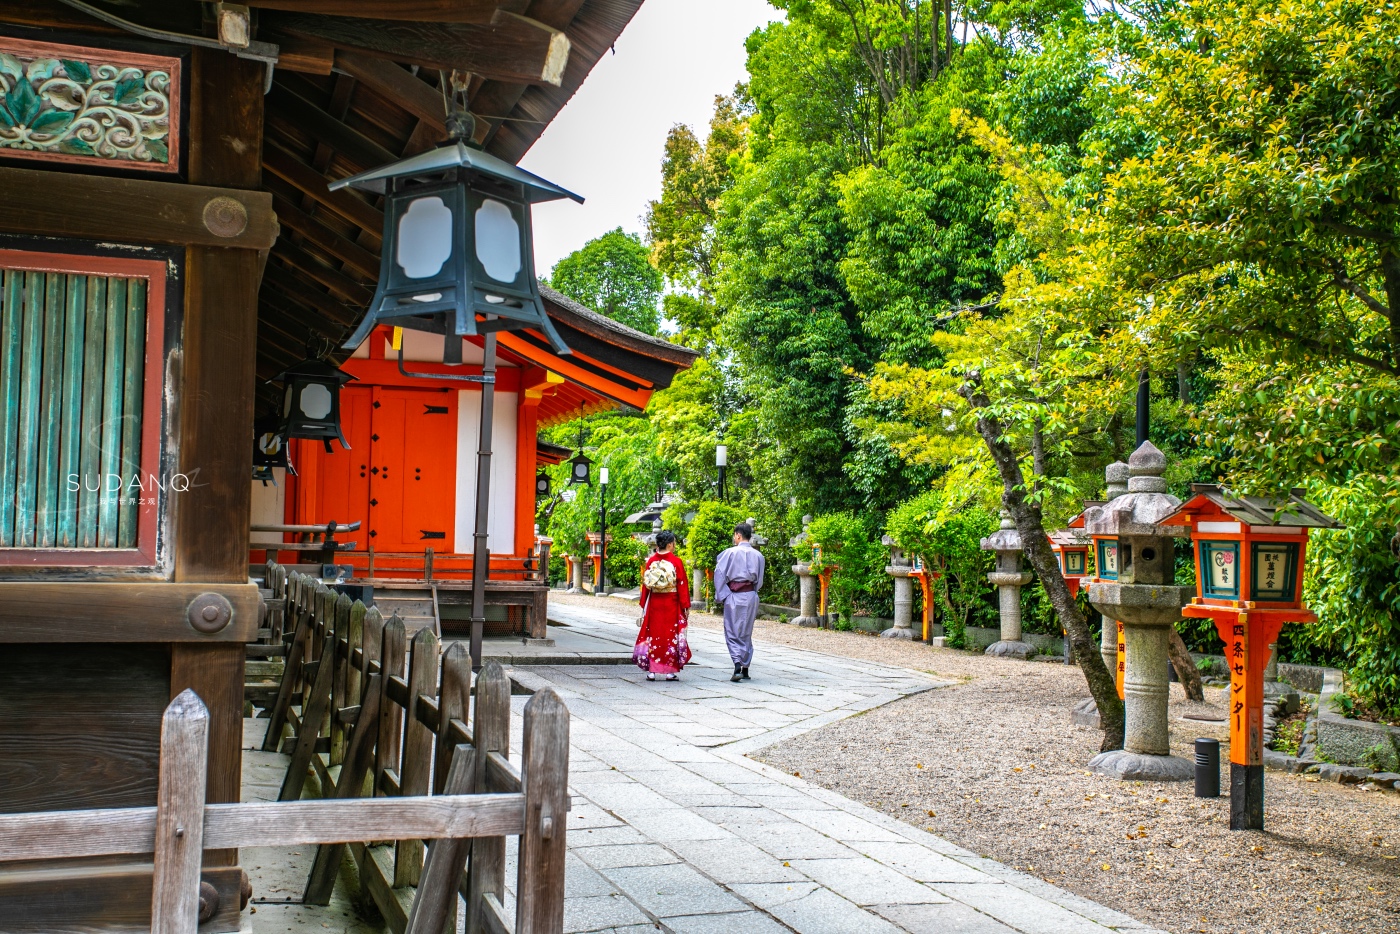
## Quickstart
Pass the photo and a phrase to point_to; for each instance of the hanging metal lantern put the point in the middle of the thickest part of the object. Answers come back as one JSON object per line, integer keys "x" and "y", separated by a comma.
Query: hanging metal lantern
{"x": 458, "y": 244}
{"x": 269, "y": 448}
{"x": 580, "y": 468}
{"x": 311, "y": 401}
{"x": 543, "y": 486}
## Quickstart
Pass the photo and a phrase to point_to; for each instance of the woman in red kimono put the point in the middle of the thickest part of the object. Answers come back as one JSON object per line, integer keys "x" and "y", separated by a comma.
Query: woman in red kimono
{"x": 661, "y": 647}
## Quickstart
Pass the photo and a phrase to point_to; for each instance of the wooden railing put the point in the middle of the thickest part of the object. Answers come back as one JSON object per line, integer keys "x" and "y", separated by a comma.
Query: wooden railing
{"x": 395, "y": 718}
{"x": 181, "y": 826}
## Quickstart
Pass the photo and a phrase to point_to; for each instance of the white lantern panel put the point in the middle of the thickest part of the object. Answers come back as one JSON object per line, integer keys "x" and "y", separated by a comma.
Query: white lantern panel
{"x": 315, "y": 400}
{"x": 425, "y": 238}
{"x": 580, "y": 470}
{"x": 497, "y": 241}
{"x": 270, "y": 443}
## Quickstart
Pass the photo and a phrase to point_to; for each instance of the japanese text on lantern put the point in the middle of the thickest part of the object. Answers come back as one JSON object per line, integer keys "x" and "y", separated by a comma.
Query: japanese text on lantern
{"x": 1236, "y": 657}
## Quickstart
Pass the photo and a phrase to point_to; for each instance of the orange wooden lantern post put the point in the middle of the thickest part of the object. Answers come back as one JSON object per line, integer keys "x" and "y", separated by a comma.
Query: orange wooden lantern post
{"x": 1071, "y": 547}
{"x": 1105, "y": 551}
{"x": 595, "y": 555}
{"x": 1249, "y": 582}
{"x": 925, "y": 577}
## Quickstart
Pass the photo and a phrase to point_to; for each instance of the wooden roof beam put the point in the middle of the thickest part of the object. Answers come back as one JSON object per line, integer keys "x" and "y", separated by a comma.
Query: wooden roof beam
{"x": 348, "y": 252}
{"x": 308, "y": 181}
{"x": 338, "y": 282}
{"x": 349, "y": 144}
{"x": 509, "y": 48}
{"x": 416, "y": 11}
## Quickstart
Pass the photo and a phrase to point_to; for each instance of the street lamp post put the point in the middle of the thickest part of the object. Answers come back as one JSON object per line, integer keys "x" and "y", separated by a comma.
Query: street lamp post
{"x": 721, "y": 462}
{"x": 599, "y": 587}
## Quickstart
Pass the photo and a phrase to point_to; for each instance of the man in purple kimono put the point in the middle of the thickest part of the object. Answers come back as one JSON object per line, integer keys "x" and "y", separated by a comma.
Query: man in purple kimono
{"x": 738, "y": 579}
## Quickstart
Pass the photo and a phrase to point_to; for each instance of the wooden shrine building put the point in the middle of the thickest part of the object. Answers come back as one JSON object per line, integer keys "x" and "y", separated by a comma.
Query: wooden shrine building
{"x": 168, "y": 244}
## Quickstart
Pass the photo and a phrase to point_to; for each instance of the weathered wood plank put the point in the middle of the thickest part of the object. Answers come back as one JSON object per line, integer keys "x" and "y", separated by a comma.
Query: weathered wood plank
{"x": 313, "y": 184}
{"x": 95, "y": 329}
{"x": 492, "y": 731}
{"x": 215, "y": 672}
{"x": 26, "y": 479}
{"x": 131, "y": 612}
{"x": 179, "y": 825}
{"x": 493, "y": 916}
{"x": 132, "y": 397}
{"x": 397, "y": 84}
{"x": 313, "y": 712}
{"x": 376, "y": 872}
{"x": 539, "y": 907}
{"x": 509, "y": 48}
{"x": 386, "y": 757}
{"x": 501, "y": 774}
{"x": 115, "y": 692}
{"x": 116, "y": 831}
{"x": 455, "y": 688}
{"x": 93, "y": 207}
{"x": 11, "y": 332}
{"x": 71, "y": 412}
{"x": 358, "y": 759}
{"x": 111, "y": 898}
{"x": 50, "y": 401}
{"x": 433, "y": 11}
{"x": 416, "y": 773}
{"x": 108, "y": 509}
{"x": 296, "y": 652}
{"x": 435, "y": 906}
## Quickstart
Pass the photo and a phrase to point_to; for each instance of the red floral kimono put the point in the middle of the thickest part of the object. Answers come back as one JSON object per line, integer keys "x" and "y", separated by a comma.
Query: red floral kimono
{"x": 661, "y": 647}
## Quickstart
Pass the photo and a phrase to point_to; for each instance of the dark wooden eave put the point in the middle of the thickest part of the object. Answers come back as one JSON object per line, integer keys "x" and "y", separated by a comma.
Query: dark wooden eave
{"x": 338, "y": 107}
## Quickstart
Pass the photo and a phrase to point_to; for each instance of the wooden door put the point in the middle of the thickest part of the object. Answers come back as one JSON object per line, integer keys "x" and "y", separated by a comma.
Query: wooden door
{"x": 342, "y": 477}
{"x": 413, "y": 470}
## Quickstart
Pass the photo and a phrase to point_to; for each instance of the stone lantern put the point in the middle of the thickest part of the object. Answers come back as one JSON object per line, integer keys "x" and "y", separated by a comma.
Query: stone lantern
{"x": 900, "y": 567}
{"x": 806, "y": 577}
{"x": 1009, "y": 579}
{"x": 1145, "y": 600}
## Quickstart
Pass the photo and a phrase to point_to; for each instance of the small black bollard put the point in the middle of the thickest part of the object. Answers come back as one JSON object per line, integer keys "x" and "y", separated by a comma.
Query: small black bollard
{"x": 1207, "y": 768}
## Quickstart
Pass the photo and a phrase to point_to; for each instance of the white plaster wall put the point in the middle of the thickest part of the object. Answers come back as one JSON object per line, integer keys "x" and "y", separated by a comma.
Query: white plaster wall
{"x": 269, "y": 505}
{"x": 501, "y": 528}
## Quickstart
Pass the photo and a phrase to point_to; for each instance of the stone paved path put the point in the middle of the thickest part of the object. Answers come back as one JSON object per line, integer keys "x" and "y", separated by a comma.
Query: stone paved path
{"x": 674, "y": 829}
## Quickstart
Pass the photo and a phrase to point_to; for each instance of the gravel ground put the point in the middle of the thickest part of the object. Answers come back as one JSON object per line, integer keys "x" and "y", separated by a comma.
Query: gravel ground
{"x": 993, "y": 764}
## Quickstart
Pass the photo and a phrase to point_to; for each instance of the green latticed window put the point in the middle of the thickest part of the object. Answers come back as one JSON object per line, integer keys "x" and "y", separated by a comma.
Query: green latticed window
{"x": 80, "y": 390}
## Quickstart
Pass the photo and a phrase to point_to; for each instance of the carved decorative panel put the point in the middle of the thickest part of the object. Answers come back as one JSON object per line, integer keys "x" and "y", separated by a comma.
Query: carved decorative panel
{"x": 64, "y": 103}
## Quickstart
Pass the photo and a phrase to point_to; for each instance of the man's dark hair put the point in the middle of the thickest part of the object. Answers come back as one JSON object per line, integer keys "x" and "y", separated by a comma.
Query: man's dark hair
{"x": 744, "y": 530}
{"x": 664, "y": 538}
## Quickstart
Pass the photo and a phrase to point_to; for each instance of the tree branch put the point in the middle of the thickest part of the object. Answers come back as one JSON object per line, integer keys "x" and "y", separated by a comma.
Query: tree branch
{"x": 1036, "y": 545}
{"x": 1340, "y": 277}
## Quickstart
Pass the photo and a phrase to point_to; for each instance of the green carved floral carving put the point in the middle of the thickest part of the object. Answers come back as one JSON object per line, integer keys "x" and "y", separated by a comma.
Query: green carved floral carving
{"x": 78, "y": 108}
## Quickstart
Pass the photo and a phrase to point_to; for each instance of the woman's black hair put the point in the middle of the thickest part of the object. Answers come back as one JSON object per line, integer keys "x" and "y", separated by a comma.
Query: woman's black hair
{"x": 665, "y": 538}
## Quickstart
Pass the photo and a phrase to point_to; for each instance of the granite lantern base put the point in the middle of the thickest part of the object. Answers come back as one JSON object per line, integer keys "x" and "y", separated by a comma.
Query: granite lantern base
{"x": 1009, "y": 586}
{"x": 807, "y": 592}
{"x": 1147, "y": 612}
{"x": 903, "y": 627}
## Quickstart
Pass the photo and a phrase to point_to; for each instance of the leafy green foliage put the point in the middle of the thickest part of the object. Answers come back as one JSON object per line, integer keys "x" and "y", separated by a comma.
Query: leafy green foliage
{"x": 849, "y": 547}
{"x": 710, "y": 532}
{"x": 946, "y": 532}
{"x": 613, "y": 275}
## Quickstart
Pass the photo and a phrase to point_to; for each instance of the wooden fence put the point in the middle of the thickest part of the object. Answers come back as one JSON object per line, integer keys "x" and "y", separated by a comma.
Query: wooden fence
{"x": 181, "y": 826}
{"x": 394, "y": 716}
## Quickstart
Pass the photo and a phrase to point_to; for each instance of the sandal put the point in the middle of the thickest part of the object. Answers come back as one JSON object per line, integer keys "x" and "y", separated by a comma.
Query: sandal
{"x": 650, "y": 676}
{"x": 673, "y": 677}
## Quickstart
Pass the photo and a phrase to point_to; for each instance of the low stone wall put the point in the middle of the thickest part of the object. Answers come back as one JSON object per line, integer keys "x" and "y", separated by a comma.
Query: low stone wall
{"x": 1353, "y": 742}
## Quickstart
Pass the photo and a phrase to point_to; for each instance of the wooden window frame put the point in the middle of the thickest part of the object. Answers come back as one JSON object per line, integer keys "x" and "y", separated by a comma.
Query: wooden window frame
{"x": 155, "y": 272}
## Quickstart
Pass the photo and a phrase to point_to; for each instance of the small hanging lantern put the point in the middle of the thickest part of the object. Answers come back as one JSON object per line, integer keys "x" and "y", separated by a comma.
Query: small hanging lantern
{"x": 543, "y": 486}
{"x": 580, "y": 468}
{"x": 458, "y": 243}
{"x": 1249, "y": 582}
{"x": 269, "y": 449}
{"x": 311, "y": 401}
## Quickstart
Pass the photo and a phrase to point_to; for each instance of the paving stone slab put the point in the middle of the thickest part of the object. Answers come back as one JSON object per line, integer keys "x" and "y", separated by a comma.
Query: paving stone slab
{"x": 624, "y": 855}
{"x": 865, "y": 882}
{"x": 948, "y": 918}
{"x": 601, "y": 913}
{"x": 815, "y": 910}
{"x": 676, "y": 889}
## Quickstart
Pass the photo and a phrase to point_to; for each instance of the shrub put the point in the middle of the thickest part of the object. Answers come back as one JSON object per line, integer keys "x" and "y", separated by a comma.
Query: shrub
{"x": 851, "y": 549}
{"x": 947, "y": 533}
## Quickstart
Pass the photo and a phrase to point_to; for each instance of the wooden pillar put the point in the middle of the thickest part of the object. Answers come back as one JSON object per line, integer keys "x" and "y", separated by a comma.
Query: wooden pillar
{"x": 218, "y": 379}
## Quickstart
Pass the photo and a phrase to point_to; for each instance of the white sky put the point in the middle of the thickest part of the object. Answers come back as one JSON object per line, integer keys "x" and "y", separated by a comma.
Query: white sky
{"x": 606, "y": 144}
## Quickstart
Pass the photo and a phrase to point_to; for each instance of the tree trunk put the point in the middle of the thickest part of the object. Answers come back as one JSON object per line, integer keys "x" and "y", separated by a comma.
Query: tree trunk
{"x": 1183, "y": 381}
{"x": 1390, "y": 271}
{"x": 1187, "y": 673}
{"x": 1036, "y": 546}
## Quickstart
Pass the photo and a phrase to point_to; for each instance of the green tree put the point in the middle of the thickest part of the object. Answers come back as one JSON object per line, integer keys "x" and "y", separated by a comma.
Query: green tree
{"x": 613, "y": 275}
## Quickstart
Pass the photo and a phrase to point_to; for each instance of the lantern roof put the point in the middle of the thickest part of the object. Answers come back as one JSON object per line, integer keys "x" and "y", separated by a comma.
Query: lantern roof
{"x": 1141, "y": 510}
{"x": 314, "y": 368}
{"x": 650, "y": 514}
{"x": 1290, "y": 511}
{"x": 427, "y": 165}
{"x": 1006, "y": 538}
{"x": 1077, "y": 521}
{"x": 1073, "y": 537}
